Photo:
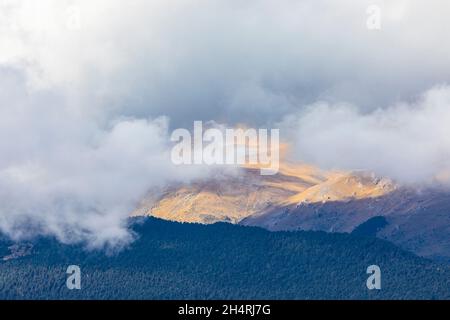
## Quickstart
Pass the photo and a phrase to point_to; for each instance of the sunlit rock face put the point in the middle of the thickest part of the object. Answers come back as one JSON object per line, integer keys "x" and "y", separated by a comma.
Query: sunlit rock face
{"x": 234, "y": 196}
{"x": 302, "y": 197}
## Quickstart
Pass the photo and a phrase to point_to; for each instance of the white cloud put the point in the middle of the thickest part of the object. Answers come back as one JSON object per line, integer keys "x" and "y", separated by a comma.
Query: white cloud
{"x": 208, "y": 60}
{"x": 408, "y": 141}
{"x": 65, "y": 175}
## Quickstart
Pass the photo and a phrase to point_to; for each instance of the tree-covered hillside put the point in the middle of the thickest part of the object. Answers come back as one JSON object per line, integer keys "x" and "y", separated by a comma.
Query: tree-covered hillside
{"x": 221, "y": 261}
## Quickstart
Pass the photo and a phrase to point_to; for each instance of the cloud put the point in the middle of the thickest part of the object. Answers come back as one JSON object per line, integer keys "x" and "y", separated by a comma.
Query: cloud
{"x": 63, "y": 174}
{"x": 409, "y": 142}
{"x": 225, "y": 60}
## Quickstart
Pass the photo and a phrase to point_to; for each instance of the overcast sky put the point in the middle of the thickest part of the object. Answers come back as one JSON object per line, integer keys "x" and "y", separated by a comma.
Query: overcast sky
{"x": 90, "y": 90}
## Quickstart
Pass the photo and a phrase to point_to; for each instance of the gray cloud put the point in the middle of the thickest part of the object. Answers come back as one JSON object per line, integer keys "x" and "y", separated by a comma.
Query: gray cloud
{"x": 233, "y": 62}
{"x": 65, "y": 175}
{"x": 409, "y": 142}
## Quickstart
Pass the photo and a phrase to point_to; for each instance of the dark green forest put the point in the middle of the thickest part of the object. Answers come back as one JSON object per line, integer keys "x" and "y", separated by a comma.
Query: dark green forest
{"x": 171, "y": 260}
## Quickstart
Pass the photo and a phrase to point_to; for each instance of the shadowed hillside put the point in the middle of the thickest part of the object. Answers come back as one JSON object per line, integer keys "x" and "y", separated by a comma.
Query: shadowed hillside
{"x": 416, "y": 221}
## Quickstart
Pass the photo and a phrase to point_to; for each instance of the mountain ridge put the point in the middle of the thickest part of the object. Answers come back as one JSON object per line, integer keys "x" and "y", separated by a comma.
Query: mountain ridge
{"x": 303, "y": 197}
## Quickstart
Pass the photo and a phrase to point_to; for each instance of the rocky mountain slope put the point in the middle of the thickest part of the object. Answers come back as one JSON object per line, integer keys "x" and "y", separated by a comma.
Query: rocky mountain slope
{"x": 230, "y": 197}
{"x": 302, "y": 197}
{"x": 234, "y": 197}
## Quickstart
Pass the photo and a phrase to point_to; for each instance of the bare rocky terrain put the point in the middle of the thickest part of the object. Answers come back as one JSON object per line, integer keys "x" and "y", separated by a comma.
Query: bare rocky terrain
{"x": 302, "y": 197}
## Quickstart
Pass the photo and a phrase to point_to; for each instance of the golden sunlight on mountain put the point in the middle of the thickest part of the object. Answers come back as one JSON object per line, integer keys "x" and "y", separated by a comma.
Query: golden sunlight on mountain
{"x": 227, "y": 197}
{"x": 344, "y": 186}
{"x": 233, "y": 197}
